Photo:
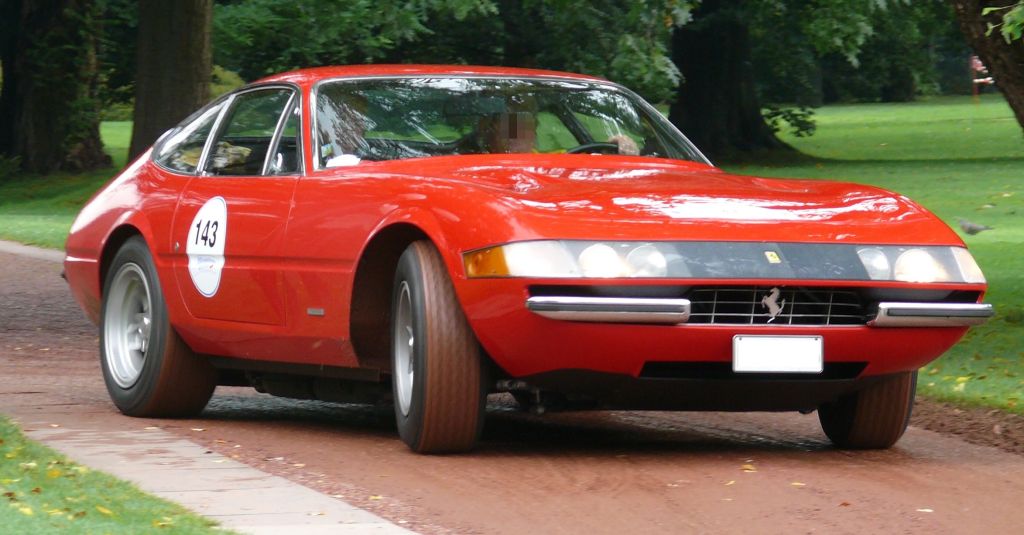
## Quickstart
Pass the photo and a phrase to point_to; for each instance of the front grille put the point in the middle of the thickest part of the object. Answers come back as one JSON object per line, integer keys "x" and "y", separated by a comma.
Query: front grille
{"x": 800, "y": 306}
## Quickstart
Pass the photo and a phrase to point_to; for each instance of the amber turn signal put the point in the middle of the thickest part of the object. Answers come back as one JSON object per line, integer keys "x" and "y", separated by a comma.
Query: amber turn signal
{"x": 488, "y": 262}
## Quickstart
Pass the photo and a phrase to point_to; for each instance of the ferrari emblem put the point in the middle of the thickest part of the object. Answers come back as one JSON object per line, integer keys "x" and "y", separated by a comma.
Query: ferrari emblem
{"x": 771, "y": 302}
{"x": 773, "y": 257}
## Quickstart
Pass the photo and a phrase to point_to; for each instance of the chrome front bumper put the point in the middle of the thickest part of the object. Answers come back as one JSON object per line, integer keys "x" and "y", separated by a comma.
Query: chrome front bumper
{"x": 931, "y": 314}
{"x": 672, "y": 311}
{"x": 611, "y": 309}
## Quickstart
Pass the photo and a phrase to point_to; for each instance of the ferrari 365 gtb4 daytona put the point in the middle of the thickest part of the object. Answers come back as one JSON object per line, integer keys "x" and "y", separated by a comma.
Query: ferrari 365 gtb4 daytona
{"x": 431, "y": 234}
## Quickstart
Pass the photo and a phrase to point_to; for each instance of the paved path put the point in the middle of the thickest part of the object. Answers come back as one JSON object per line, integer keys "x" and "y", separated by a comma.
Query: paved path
{"x": 238, "y": 496}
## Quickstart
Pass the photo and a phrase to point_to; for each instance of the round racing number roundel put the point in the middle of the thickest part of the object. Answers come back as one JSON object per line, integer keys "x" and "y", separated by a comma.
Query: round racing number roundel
{"x": 205, "y": 245}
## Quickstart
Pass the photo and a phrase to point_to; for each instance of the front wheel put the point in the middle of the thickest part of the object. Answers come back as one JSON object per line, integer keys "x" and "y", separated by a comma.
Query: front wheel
{"x": 437, "y": 373}
{"x": 148, "y": 370}
{"x": 872, "y": 418}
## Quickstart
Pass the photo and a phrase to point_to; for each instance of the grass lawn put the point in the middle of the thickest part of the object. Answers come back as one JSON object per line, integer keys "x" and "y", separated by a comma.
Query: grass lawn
{"x": 959, "y": 159}
{"x": 39, "y": 210}
{"x": 44, "y": 492}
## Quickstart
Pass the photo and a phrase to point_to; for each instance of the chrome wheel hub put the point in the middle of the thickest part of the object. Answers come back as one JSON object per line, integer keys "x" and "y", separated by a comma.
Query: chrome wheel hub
{"x": 127, "y": 325}
{"x": 403, "y": 350}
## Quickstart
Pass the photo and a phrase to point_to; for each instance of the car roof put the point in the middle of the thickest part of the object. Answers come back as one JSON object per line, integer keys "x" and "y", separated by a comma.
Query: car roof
{"x": 315, "y": 74}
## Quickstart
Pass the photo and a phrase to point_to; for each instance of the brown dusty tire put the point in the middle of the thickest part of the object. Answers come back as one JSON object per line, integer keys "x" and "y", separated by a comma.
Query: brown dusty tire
{"x": 873, "y": 418}
{"x": 437, "y": 374}
{"x": 148, "y": 369}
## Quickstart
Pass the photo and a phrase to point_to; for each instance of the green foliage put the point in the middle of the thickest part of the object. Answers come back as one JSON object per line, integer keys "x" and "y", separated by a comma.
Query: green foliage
{"x": 223, "y": 81}
{"x": 623, "y": 41}
{"x": 1012, "y": 26}
{"x": 889, "y": 51}
{"x": 261, "y": 37}
{"x": 800, "y": 119}
{"x": 43, "y": 491}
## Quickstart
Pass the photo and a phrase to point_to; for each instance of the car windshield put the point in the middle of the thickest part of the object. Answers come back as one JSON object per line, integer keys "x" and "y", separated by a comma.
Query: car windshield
{"x": 389, "y": 119}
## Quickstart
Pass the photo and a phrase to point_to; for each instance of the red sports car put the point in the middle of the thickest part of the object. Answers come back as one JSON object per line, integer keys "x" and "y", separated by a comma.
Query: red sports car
{"x": 433, "y": 234}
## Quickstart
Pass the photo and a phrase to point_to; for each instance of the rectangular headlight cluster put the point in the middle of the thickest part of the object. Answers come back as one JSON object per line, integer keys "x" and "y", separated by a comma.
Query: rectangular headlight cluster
{"x": 739, "y": 260}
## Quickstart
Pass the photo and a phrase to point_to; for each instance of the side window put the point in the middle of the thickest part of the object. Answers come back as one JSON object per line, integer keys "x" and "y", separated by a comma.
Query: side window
{"x": 286, "y": 158}
{"x": 243, "y": 142}
{"x": 181, "y": 151}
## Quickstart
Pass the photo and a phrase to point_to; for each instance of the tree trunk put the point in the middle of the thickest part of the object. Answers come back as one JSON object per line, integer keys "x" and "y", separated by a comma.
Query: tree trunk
{"x": 717, "y": 105}
{"x": 48, "y": 105}
{"x": 174, "y": 69}
{"x": 1005, "y": 61}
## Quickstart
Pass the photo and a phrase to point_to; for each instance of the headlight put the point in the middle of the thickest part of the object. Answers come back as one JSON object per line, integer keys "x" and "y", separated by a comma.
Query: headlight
{"x": 557, "y": 259}
{"x": 875, "y": 262}
{"x": 917, "y": 265}
{"x": 920, "y": 264}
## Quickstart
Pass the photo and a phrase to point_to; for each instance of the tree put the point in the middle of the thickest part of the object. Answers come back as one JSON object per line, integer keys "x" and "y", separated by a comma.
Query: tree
{"x": 1003, "y": 57}
{"x": 623, "y": 41}
{"x": 718, "y": 104}
{"x": 173, "y": 66}
{"x": 48, "y": 105}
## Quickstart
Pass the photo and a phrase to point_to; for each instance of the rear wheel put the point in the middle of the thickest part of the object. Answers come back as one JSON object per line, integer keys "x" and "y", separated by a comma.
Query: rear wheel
{"x": 437, "y": 373}
{"x": 873, "y": 418}
{"x": 148, "y": 370}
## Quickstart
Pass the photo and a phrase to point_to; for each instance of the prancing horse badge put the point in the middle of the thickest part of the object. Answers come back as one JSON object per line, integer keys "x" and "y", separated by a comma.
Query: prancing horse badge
{"x": 771, "y": 302}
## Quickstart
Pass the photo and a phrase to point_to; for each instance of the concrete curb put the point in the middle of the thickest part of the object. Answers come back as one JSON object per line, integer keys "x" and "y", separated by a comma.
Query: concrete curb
{"x": 239, "y": 497}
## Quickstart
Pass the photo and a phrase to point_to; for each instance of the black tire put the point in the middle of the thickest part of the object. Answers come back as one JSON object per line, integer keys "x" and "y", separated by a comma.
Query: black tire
{"x": 872, "y": 418}
{"x": 445, "y": 394}
{"x": 169, "y": 380}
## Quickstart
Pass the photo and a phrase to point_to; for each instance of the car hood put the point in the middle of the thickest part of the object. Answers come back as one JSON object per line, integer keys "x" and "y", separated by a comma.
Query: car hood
{"x": 607, "y": 197}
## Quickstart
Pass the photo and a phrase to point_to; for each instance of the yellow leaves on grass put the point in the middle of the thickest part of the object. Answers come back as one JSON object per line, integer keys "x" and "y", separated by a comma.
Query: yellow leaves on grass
{"x": 163, "y": 522}
{"x": 104, "y": 511}
{"x": 54, "y": 473}
{"x": 25, "y": 510}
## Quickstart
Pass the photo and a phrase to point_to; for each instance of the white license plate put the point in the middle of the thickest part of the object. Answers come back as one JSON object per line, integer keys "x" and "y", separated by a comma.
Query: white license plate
{"x": 777, "y": 354}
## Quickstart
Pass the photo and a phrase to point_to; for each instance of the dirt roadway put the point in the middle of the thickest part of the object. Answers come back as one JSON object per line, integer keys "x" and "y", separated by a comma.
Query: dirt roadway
{"x": 591, "y": 473}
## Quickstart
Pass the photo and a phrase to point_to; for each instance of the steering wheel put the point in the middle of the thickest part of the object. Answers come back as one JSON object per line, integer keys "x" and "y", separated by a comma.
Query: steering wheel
{"x": 598, "y": 146}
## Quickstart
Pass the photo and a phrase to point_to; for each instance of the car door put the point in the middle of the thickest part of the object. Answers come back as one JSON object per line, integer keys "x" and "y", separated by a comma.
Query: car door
{"x": 231, "y": 219}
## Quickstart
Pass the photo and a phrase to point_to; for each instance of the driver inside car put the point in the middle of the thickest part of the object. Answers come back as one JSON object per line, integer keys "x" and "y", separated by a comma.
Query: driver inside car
{"x": 509, "y": 132}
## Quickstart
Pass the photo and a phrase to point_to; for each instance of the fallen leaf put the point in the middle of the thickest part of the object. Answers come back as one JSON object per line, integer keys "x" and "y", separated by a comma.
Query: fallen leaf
{"x": 376, "y": 497}
{"x": 28, "y": 466}
{"x": 299, "y": 465}
{"x": 748, "y": 468}
{"x": 317, "y": 513}
{"x": 962, "y": 379}
{"x": 104, "y": 510}
{"x": 798, "y": 484}
{"x": 151, "y": 428}
{"x": 54, "y": 425}
{"x": 37, "y": 490}
{"x": 53, "y": 473}
{"x": 731, "y": 482}
{"x": 997, "y": 429}
{"x": 26, "y": 510}
{"x": 198, "y": 429}
{"x": 844, "y": 504}
{"x": 925, "y": 510}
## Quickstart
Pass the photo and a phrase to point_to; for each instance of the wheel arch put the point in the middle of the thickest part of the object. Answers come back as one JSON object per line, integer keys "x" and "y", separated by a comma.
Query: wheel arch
{"x": 370, "y": 312}
{"x": 113, "y": 243}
